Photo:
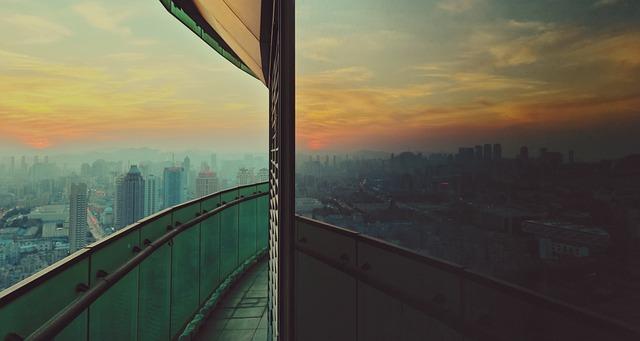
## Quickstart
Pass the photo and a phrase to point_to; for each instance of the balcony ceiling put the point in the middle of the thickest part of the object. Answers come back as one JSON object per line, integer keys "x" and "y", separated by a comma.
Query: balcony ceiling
{"x": 242, "y": 28}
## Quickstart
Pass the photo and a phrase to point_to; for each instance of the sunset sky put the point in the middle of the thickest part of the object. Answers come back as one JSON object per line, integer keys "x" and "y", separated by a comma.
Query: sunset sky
{"x": 372, "y": 74}
{"x": 433, "y": 75}
{"x": 93, "y": 74}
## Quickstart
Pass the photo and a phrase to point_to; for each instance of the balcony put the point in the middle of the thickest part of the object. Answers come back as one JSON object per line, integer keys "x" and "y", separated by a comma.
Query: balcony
{"x": 196, "y": 271}
{"x": 148, "y": 280}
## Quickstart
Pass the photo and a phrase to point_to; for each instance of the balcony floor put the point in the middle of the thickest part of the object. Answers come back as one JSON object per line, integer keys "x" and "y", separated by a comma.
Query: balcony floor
{"x": 242, "y": 314}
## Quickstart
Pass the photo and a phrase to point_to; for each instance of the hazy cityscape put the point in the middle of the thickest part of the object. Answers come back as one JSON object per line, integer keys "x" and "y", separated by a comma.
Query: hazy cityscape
{"x": 496, "y": 137}
{"x": 541, "y": 219}
{"x": 51, "y": 206}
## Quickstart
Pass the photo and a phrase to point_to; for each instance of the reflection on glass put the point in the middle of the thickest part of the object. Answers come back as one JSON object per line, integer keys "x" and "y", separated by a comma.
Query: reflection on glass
{"x": 498, "y": 135}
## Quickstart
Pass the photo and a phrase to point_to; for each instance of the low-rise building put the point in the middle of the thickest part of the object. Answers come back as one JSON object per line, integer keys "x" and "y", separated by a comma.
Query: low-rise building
{"x": 558, "y": 239}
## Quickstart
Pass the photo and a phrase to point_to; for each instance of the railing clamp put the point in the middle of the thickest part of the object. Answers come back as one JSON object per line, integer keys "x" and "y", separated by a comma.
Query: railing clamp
{"x": 81, "y": 287}
{"x": 169, "y": 227}
{"x": 13, "y": 337}
{"x": 136, "y": 249}
{"x": 146, "y": 242}
{"x": 101, "y": 274}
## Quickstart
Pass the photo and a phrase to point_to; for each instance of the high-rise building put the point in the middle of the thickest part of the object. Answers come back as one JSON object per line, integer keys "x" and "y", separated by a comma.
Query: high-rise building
{"x": 543, "y": 152}
{"x": 77, "y": 216}
{"x": 244, "y": 176}
{"x": 465, "y": 154}
{"x": 150, "y": 195}
{"x": 524, "y": 153}
{"x": 131, "y": 195}
{"x": 188, "y": 178}
{"x": 206, "y": 183}
{"x": 118, "y": 201}
{"x": 263, "y": 175}
{"x": 478, "y": 154}
{"x": 497, "y": 151}
{"x": 487, "y": 152}
{"x": 173, "y": 186}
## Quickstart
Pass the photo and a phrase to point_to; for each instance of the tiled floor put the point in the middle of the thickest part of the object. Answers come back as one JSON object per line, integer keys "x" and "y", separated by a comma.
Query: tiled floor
{"x": 242, "y": 315}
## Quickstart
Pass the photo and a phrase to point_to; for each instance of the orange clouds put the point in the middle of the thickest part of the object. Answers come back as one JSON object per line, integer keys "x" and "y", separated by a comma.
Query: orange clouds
{"x": 46, "y": 104}
{"x": 508, "y": 75}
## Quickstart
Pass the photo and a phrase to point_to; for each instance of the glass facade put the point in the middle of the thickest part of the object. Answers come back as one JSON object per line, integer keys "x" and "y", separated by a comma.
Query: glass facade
{"x": 498, "y": 136}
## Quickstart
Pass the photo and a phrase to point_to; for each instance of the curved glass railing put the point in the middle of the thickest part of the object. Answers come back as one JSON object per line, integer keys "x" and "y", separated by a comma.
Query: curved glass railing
{"x": 380, "y": 291}
{"x": 146, "y": 281}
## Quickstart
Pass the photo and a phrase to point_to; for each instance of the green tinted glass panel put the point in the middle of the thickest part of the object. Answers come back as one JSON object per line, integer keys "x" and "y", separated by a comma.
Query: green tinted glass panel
{"x": 248, "y": 190}
{"x": 193, "y": 25}
{"x": 155, "y": 280}
{"x": 26, "y": 313}
{"x": 211, "y": 203}
{"x": 186, "y": 213}
{"x": 315, "y": 278}
{"x": 210, "y": 256}
{"x": 247, "y": 229}
{"x": 76, "y": 330}
{"x": 228, "y": 240}
{"x": 114, "y": 315}
{"x": 185, "y": 278}
{"x": 229, "y": 196}
{"x": 184, "y": 17}
{"x": 262, "y": 221}
{"x": 264, "y": 188}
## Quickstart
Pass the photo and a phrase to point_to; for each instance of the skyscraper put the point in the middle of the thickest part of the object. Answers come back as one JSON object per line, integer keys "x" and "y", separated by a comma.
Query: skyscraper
{"x": 206, "y": 183}
{"x": 524, "y": 152}
{"x": 131, "y": 198}
{"x": 188, "y": 183}
{"x": 479, "y": 153}
{"x": 497, "y": 151}
{"x": 150, "y": 195}
{"x": 263, "y": 174}
{"x": 244, "y": 176}
{"x": 173, "y": 189}
{"x": 77, "y": 216}
{"x": 487, "y": 152}
{"x": 118, "y": 200}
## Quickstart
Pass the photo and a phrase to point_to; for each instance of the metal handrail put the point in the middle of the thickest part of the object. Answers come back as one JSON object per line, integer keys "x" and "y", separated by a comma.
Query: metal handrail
{"x": 57, "y": 323}
{"x": 16, "y": 290}
{"x": 361, "y": 273}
